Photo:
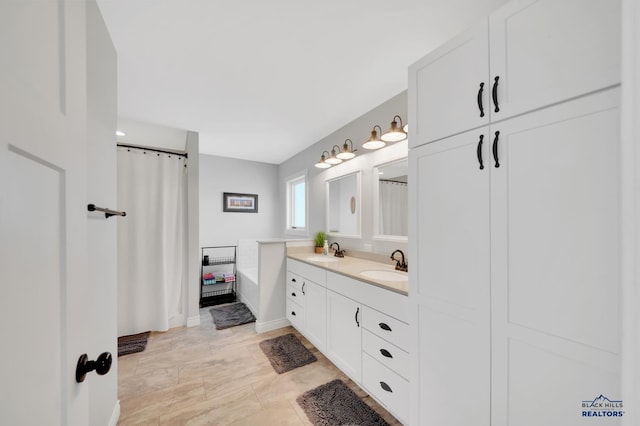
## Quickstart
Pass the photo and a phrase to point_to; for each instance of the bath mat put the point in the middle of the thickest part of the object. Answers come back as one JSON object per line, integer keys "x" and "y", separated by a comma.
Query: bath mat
{"x": 132, "y": 343}
{"x": 225, "y": 316}
{"x": 286, "y": 353}
{"x": 335, "y": 404}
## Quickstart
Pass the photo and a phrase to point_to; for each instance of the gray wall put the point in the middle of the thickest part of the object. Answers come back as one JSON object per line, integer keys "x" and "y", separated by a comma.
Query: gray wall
{"x": 220, "y": 174}
{"x": 101, "y": 190}
{"x": 358, "y": 131}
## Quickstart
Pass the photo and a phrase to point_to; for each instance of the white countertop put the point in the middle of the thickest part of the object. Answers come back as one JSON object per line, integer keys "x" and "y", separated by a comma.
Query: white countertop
{"x": 352, "y": 268}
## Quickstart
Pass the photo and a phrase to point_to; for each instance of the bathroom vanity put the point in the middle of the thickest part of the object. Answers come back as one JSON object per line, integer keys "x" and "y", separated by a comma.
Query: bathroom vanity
{"x": 355, "y": 312}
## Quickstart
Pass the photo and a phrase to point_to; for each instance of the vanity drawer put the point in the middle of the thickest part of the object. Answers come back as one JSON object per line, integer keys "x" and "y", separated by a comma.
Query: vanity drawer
{"x": 389, "y": 328}
{"x": 295, "y": 314}
{"x": 386, "y": 386}
{"x": 295, "y": 294}
{"x": 295, "y": 280}
{"x": 312, "y": 273}
{"x": 385, "y": 353}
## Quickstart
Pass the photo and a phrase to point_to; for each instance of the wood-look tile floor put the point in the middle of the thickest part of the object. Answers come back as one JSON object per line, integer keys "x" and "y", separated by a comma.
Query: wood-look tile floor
{"x": 200, "y": 375}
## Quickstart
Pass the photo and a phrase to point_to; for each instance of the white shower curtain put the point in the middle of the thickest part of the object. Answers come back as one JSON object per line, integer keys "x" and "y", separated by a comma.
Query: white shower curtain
{"x": 394, "y": 198}
{"x": 151, "y": 240}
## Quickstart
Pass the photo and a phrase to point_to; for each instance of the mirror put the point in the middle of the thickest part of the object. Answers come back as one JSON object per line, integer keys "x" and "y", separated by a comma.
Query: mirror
{"x": 391, "y": 200}
{"x": 343, "y": 205}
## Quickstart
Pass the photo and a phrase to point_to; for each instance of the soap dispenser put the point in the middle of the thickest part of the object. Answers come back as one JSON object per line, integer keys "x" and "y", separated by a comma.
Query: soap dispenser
{"x": 325, "y": 248}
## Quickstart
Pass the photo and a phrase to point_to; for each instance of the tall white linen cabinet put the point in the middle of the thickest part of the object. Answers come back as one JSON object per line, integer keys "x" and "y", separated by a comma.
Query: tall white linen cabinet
{"x": 515, "y": 218}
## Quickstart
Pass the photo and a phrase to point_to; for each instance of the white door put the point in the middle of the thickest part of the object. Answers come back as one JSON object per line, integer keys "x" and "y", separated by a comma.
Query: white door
{"x": 344, "y": 340}
{"x": 449, "y": 219}
{"x": 556, "y": 263}
{"x": 546, "y": 51}
{"x": 449, "y": 91}
{"x": 316, "y": 314}
{"x": 43, "y": 213}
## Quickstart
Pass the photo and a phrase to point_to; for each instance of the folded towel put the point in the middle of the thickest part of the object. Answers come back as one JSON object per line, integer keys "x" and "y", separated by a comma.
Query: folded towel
{"x": 207, "y": 276}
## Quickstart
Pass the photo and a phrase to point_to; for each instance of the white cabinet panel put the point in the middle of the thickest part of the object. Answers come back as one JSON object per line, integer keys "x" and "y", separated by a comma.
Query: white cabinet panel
{"x": 450, "y": 283}
{"x": 386, "y": 353}
{"x": 295, "y": 314}
{"x": 547, "y": 51}
{"x": 451, "y": 203}
{"x": 386, "y": 386}
{"x": 444, "y": 87}
{"x": 344, "y": 340}
{"x": 389, "y": 328}
{"x": 556, "y": 208}
{"x": 316, "y": 314}
{"x": 561, "y": 400}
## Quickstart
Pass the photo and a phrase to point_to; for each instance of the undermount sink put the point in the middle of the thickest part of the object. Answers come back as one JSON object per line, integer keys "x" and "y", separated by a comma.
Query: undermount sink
{"x": 323, "y": 258}
{"x": 384, "y": 275}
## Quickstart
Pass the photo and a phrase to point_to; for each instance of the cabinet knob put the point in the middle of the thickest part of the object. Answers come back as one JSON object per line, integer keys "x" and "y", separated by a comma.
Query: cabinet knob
{"x": 102, "y": 366}
{"x": 293, "y": 294}
{"x": 293, "y": 313}
{"x": 386, "y": 353}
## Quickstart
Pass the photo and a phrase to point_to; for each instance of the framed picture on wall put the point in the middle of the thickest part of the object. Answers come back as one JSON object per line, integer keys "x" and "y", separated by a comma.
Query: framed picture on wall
{"x": 239, "y": 203}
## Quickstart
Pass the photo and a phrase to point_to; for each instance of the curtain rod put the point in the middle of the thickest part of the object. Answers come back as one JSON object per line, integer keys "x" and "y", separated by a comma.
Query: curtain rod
{"x": 181, "y": 154}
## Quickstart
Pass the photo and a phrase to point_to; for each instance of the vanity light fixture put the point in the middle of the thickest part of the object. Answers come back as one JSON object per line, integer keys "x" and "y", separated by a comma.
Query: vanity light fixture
{"x": 333, "y": 159}
{"x": 323, "y": 164}
{"x": 374, "y": 141}
{"x": 347, "y": 153}
{"x": 395, "y": 133}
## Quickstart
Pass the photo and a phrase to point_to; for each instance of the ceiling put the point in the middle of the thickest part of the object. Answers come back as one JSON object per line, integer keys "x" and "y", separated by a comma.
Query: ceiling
{"x": 263, "y": 80}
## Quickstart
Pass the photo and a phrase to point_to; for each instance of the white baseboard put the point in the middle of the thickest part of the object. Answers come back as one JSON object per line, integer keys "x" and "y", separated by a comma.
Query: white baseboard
{"x": 263, "y": 327}
{"x": 193, "y": 321}
{"x": 115, "y": 415}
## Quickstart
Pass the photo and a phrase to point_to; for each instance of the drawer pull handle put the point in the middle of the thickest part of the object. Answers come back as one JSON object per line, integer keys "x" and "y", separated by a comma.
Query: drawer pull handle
{"x": 293, "y": 280}
{"x": 386, "y": 353}
{"x": 479, "y": 152}
{"x": 357, "y": 311}
{"x": 494, "y": 93}
{"x": 495, "y": 149}
{"x": 293, "y": 313}
{"x": 386, "y": 387}
{"x": 480, "y": 100}
{"x": 303, "y": 284}
{"x": 293, "y": 294}
{"x": 384, "y": 326}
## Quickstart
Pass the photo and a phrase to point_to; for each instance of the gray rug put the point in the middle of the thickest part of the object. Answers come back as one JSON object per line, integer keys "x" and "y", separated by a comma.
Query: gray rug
{"x": 286, "y": 353}
{"x": 335, "y": 404}
{"x": 132, "y": 343}
{"x": 225, "y": 316}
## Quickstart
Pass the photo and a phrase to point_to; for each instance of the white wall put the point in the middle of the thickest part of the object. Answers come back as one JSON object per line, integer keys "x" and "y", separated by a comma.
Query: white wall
{"x": 220, "y": 174}
{"x": 358, "y": 131}
{"x": 192, "y": 295}
{"x": 101, "y": 190}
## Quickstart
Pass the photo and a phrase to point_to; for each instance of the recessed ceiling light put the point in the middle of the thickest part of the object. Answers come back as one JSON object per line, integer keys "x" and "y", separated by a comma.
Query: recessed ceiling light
{"x": 120, "y": 133}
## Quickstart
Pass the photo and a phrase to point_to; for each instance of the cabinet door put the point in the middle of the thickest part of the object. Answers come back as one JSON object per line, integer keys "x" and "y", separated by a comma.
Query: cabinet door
{"x": 556, "y": 262}
{"x": 449, "y": 284}
{"x": 344, "y": 340}
{"x": 316, "y": 314}
{"x": 546, "y": 51}
{"x": 444, "y": 88}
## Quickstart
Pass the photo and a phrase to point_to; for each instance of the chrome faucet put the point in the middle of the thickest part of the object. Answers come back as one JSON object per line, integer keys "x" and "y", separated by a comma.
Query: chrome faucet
{"x": 338, "y": 253}
{"x": 401, "y": 265}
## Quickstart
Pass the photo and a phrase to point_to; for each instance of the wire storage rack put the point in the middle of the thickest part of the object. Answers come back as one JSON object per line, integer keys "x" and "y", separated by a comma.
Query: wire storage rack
{"x": 218, "y": 275}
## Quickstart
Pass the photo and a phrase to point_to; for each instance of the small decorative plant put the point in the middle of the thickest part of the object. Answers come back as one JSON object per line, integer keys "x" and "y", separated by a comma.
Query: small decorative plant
{"x": 319, "y": 239}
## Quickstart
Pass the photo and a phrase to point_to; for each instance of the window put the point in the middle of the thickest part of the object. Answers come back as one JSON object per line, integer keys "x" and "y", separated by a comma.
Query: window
{"x": 297, "y": 204}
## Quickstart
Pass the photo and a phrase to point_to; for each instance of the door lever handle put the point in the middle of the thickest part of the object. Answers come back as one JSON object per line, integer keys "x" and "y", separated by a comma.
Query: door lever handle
{"x": 102, "y": 366}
